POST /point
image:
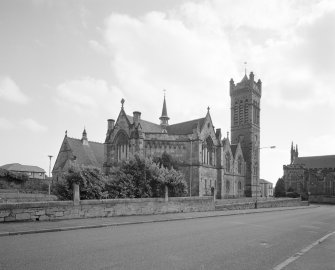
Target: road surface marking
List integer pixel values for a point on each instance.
(301, 252)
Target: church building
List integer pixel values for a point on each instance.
(210, 162)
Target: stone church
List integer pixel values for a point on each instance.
(313, 175)
(227, 166)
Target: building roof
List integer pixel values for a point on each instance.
(316, 161)
(185, 128)
(263, 181)
(88, 155)
(22, 168)
(147, 126)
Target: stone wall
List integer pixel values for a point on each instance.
(322, 199)
(57, 210)
(262, 204)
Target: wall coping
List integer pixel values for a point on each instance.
(19, 205)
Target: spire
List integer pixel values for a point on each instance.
(164, 110)
(164, 117)
(84, 137)
(296, 150)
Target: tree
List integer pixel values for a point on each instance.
(133, 178)
(174, 180)
(90, 179)
(280, 188)
(166, 161)
(143, 178)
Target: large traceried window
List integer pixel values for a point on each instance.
(122, 146)
(208, 152)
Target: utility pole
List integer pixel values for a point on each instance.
(50, 157)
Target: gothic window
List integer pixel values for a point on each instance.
(241, 112)
(208, 152)
(228, 162)
(227, 186)
(239, 165)
(246, 111)
(122, 146)
(239, 185)
(236, 113)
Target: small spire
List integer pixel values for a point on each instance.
(65, 133)
(245, 68)
(164, 117)
(228, 135)
(84, 137)
(208, 108)
(122, 102)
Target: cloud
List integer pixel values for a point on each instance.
(197, 47)
(33, 125)
(86, 95)
(6, 124)
(9, 91)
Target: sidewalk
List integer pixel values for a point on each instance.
(16, 228)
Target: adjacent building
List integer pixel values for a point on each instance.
(77, 151)
(33, 172)
(313, 175)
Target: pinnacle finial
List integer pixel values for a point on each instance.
(208, 108)
(245, 68)
(65, 133)
(122, 102)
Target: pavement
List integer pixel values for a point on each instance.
(30, 227)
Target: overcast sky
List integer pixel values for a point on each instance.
(65, 65)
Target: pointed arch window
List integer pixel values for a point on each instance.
(239, 164)
(236, 113)
(208, 152)
(241, 116)
(122, 146)
(246, 111)
(228, 161)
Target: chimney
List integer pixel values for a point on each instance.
(110, 125)
(137, 118)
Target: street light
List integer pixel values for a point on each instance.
(49, 173)
(256, 202)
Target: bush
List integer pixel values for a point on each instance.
(90, 180)
(143, 178)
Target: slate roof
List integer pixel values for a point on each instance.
(316, 161)
(185, 128)
(264, 181)
(147, 126)
(88, 155)
(22, 168)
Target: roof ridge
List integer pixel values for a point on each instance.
(80, 140)
(197, 119)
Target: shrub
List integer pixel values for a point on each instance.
(90, 180)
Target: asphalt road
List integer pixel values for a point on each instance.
(255, 241)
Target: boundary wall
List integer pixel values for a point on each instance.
(58, 210)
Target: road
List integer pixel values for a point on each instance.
(255, 241)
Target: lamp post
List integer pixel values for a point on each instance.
(50, 157)
(256, 202)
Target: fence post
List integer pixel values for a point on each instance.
(76, 194)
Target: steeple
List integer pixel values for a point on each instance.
(84, 138)
(164, 117)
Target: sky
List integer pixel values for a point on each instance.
(65, 65)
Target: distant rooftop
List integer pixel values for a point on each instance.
(17, 167)
(316, 161)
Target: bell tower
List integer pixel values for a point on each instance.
(245, 126)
